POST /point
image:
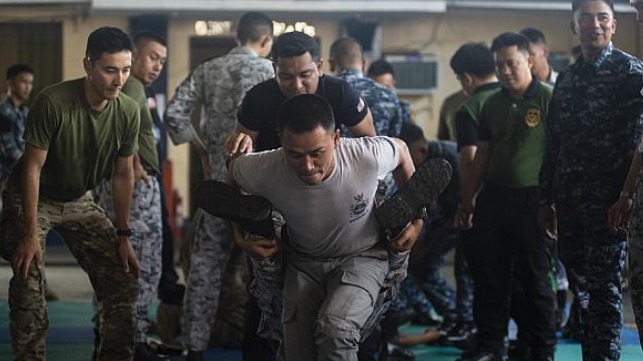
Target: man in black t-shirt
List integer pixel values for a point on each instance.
(298, 70)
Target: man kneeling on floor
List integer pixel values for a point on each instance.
(334, 259)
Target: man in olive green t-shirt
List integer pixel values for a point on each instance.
(505, 236)
(78, 133)
(147, 230)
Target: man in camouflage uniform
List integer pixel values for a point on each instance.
(147, 62)
(218, 85)
(347, 63)
(439, 238)
(382, 72)
(13, 115)
(596, 120)
(632, 196)
(78, 132)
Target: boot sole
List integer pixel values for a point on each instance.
(427, 183)
(252, 213)
(221, 200)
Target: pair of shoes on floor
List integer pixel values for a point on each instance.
(254, 213)
(142, 352)
(462, 336)
(480, 356)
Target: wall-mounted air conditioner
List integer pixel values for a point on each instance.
(415, 74)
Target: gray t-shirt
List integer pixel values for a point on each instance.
(335, 217)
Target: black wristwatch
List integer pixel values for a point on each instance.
(124, 232)
(422, 214)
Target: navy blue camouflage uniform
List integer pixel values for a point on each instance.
(12, 126)
(596, 119)
(386, 111)
(440, 237)
(383, 103)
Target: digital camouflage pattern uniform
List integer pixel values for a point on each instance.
(12, 126)
(596, 119)
(61, 123)
(385, 109)
(438, 239)
(635, 256)
(218, 85)
(407, 112)
(383, 103)
(145, 211)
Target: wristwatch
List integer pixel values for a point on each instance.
(124, 232)
(627, 194)
(422, 214)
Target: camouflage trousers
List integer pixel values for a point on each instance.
(635, 258)
(146, 239)
(594, 259)
(440, 238)
(267, 286)
(89, 234)
(210, 253)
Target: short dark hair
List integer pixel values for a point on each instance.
(510, 39)
(534, 35)
(253, 26)
(411, 133)
(380, 67)
(109, 40)
(473, 58)
(16, 69)
(305, 112)
(143, 37)
(577, 3)
(346, 51)
(295, 43)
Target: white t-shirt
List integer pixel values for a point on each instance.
(335, 217)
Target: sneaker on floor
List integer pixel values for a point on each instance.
(462, 336)
(462, 331)
(252, 213)
(427, 183)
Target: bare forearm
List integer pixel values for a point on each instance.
(472, 177)
(30, 193)
(631, 180)
(405, 167)
(122, 188)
